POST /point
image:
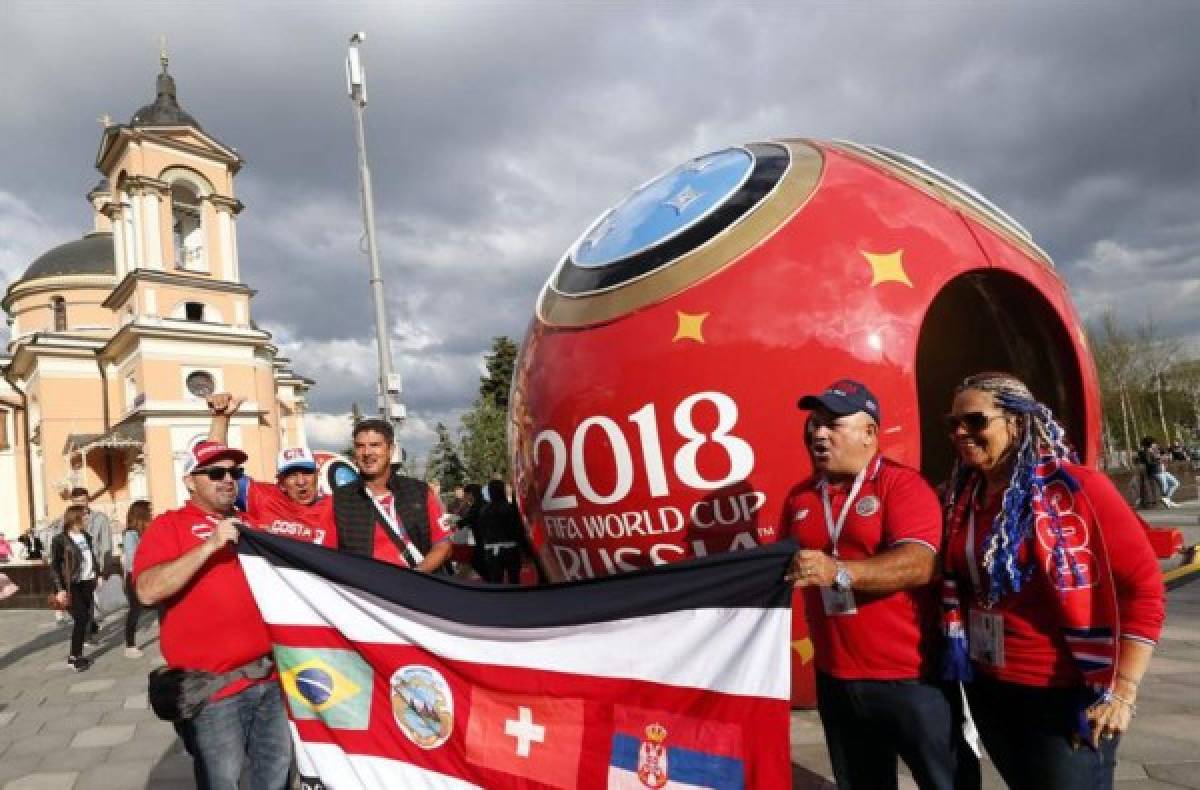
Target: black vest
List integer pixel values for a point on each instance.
(355, 514)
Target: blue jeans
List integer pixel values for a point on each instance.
(1167, 483)
(1028, 734)
(250, 726)
(869, 723)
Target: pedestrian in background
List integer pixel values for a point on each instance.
(136, 520)
(75, 567)
(502, 535)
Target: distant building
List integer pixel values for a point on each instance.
(117, 337)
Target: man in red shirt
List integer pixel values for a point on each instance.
(186, 565)
(292, 506)
(386, 515)
(869, 531)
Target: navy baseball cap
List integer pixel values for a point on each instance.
(843, 397)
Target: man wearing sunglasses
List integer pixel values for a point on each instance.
(291, 506)
(186, 565)
(869, 530)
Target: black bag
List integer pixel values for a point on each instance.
(177, 695)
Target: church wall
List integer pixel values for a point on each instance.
(12, 493)
(171, 299)
(68, 403)
(32, 312)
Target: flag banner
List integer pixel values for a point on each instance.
(676, 676)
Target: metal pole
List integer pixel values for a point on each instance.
(389, 383)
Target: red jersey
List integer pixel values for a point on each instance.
(385, 549)
(890, 637)
(275, 512)
(1035, 653)
(212, 624)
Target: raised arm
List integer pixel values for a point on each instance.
(222, 406)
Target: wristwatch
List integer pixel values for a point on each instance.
(842, 580)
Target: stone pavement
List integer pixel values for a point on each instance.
(84, 730)
(62, 729)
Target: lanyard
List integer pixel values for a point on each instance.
(972, 565)
(388, 514)
(835, 529)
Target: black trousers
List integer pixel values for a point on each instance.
(1028, 733)
(869, 723)
(82, 598)
(135, 612)
(502, 566)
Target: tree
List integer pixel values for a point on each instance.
(500, 363)
(444, 464)
(484, 446)
(484, 441)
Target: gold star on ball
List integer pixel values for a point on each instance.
(803, 648)
(887, 267)
(690, 326)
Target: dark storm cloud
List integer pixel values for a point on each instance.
(497, 132)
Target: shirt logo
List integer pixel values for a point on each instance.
(422, 705)
(203, 530)
(800, 515)
(867, 506)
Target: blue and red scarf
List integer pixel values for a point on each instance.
(1064, 544)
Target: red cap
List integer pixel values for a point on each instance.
(205, 453)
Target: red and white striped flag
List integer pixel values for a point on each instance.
(672, 677)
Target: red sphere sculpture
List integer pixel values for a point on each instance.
(654, 409)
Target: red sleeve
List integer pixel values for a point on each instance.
(438, 531)
(254, 497)
(326, 529)
(159, 544)
(911, 513)
(1141, 598)
(788, 514)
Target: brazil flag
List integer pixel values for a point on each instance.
(328, 684)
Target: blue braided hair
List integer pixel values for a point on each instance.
(1037, 458)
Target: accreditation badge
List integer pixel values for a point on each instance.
(986, 638)
(838, 603)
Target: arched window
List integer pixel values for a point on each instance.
(58, 306)
(187, 232)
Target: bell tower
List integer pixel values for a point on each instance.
(171, 203)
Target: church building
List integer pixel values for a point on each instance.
(116, 338)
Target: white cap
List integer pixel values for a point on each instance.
(295, 458)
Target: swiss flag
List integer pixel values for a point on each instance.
(525, 735)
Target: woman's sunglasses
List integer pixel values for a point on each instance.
(973, 421)
(219, 473)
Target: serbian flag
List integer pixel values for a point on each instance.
(671, 677)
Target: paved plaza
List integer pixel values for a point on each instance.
(93, 730)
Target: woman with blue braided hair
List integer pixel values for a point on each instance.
(1053, 599)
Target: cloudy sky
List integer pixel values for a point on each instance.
(499, 130)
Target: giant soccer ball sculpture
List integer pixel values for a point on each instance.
(654, 406)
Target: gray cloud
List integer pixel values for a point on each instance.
(498, 131)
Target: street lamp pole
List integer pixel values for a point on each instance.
(390, 406)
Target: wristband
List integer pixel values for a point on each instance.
(1126, 702)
